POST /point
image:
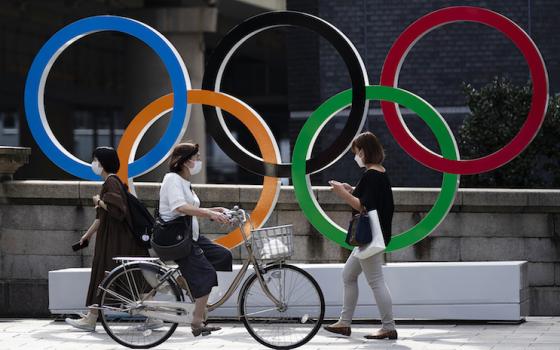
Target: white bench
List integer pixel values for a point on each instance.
(431, 290)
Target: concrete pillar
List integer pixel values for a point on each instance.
(11, 159)
(147, 78)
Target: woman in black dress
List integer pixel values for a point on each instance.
(177, 198)
(373, 192)
(111, 224)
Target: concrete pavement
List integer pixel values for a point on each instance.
(542, 333)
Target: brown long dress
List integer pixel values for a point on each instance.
(114, 237)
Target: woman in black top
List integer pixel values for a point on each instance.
(373, 192)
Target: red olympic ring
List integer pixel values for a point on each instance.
(539, 100)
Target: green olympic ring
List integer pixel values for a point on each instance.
(319, 118)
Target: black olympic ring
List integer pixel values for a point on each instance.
(235, 38)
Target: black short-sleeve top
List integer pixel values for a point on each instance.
(374, 192)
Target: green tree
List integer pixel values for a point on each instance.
(497, 112)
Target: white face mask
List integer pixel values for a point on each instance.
(96, 167)
(359, 160)
(197, 167)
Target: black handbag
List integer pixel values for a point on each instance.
(172, 240)
(359, 230)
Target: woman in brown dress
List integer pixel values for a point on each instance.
(114, 237)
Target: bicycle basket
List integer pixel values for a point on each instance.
(272, 243)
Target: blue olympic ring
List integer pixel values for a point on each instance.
(37, 76)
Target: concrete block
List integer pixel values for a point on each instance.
(4, 303)
(87, 261)
(34, 266)
(25, 298)
(466, 224)
(288, 196)
(296, 218)
(541, 274)
(525, 307)
(403, 221)
(47, 217)
(42, 189)
(341, 218)
(401, 255)
(542, 250)
(556, 220)
(287, 199)
(421, 198)
(249, 194)
(217, 193)
(544, 198)
(316, 248)
(326, 196)
(492, 249)
(557, 270)
(44, 242)
(524, 270)
(272, 220)
(493, 197)
(429, 249)
(544, 301)
(88, 189)
(147, 192)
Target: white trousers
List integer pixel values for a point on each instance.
(372, 269)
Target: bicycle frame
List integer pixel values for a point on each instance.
(187, 309)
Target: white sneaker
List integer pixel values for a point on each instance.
(85, 323)
(154, 324)
(150, 324)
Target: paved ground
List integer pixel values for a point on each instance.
(536, 333)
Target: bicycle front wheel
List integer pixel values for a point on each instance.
(296, 320)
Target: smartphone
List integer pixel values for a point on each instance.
(77, 246)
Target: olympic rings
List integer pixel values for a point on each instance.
(234, 39)
(304, 146)
(270, 164)
(258, 128)
(539, 99)
(37, 76)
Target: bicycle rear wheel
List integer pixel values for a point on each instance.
(296, 321)
(119, 312)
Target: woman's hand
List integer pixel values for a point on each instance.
(218, 217)
(90, 232)
(84, 238)
(337, 187)
(347, 187)
(96, 199)
(219, 209)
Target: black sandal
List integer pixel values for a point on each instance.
(203, 330)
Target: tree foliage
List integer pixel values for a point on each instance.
(498, 110)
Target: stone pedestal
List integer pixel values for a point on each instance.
(11, 159)
(147, 78)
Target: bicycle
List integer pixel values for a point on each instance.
(281, 305)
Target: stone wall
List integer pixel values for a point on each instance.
(39, 220)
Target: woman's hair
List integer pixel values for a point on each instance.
(181, 153)
(108, 158)
(369, 143)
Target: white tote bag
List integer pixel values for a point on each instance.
(377, 244)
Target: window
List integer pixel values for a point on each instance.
(94, 128)
(9, 128)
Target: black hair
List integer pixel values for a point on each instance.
(369, 143)
(108, 158)
(182, 152)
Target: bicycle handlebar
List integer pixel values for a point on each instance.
(236, 214)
